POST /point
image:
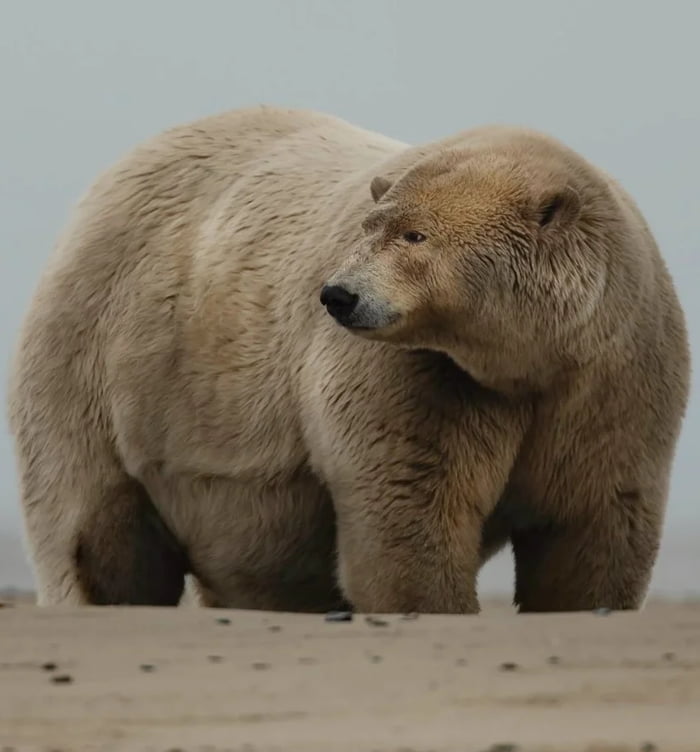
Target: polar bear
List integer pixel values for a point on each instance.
(314, 367)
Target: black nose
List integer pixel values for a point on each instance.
(338, 301)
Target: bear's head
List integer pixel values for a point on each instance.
(500, 254)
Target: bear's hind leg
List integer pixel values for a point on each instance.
(106, 547)
(129, 556)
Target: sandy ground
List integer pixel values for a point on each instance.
(196, 679)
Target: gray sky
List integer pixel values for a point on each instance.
(83, 81)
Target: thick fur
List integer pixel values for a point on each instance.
(518, 371)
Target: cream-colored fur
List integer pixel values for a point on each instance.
(181, 401)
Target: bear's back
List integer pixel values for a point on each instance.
(185, 281)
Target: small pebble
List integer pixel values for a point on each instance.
(147, 668)
(553, 660)
(375, 621)
(261, 666)
(223, 620)
(509, 666)
(375, 659)
(274, 628)
(503, 748)
(49, 666)
(461, 662)
(648, 747)
(669, 656)
(333, 616)
(214, 658)
(62, 679)
(604, 611)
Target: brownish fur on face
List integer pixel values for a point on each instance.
(505, 273)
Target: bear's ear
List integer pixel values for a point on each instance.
(378, 187)
(558, 208)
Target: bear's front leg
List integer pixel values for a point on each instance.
(601, 560)
(410, 526)
(597, 478)
(413, 476)
(597, 549)
(401, 551)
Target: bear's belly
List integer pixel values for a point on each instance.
(253, 544)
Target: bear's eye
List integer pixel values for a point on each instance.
(413, 237)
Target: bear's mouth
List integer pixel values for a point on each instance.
(357, 322)
(376, 331)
